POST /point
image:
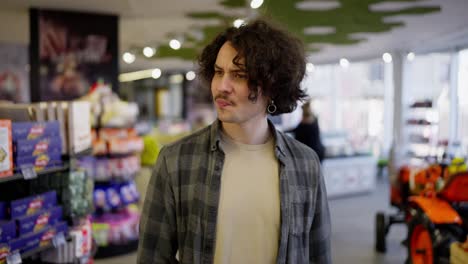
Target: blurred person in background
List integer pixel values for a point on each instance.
(308, 131)
(240, 191)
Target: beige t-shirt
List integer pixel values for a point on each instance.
(248, 224)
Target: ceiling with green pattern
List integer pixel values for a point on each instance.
(331, 22)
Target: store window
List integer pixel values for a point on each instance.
(350, 101)
(426, 105)
(463, 99)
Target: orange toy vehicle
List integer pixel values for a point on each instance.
(434, 206)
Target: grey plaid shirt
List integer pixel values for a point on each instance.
(181, 205)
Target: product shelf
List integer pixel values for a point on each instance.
(19, 175)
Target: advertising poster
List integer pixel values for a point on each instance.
(70, 52)
(14, 82)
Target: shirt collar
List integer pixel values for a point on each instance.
(215, 137)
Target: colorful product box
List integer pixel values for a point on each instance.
(41, 162)
(6, 153)
(39, 221)
(36, 147)
(43, 238)
(32, 205)
(33, 130)
(7, 231)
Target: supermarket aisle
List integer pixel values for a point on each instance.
(353, 231)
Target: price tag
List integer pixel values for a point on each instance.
(28, 172)
(58, 240)
(14, 258)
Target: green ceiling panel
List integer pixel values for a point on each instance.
(182, 53)
(234, 3)
(352, 16)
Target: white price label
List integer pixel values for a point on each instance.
(58, 240)
(28, 172)
(14, 258)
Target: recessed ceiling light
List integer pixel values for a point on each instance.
(156, 73)
(387, 57)
(256, 4)
(310, 67)
(190, 75)
(148, 52)
(238, 22)
(344, 63)
(174, 44)
(411, 56)
(128, 57)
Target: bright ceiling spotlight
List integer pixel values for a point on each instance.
(156, 73)
(149, 52)
(190, 76)
(387, 57)
(174, 44)
(344, 63)
(254, 4)
(128, 57)
(238, 23)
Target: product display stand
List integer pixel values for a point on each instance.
(26, 180)
(114, 165)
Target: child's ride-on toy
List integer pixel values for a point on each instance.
(434, 205)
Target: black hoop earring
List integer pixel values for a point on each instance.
(271, 107)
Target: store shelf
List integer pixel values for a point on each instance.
(31, 253)
(19, 175)
(116, 250)
(84, 153)
(116, 180)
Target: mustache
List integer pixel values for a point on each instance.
(224, 97)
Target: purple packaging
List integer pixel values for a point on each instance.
(33, 204)
(41, 161)
(39, 221)
(3, 210)
(113, 197)
(31, 241)
(7, 231)
(127, 194)
(44, 237)
(88, 164)
(35, 147)
(33, 130)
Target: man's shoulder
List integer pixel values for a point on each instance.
(297, 149)
(194, 141)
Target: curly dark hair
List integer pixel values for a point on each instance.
(274, 60)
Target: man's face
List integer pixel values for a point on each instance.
(230, 90)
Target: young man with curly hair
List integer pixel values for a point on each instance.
(239, 191)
